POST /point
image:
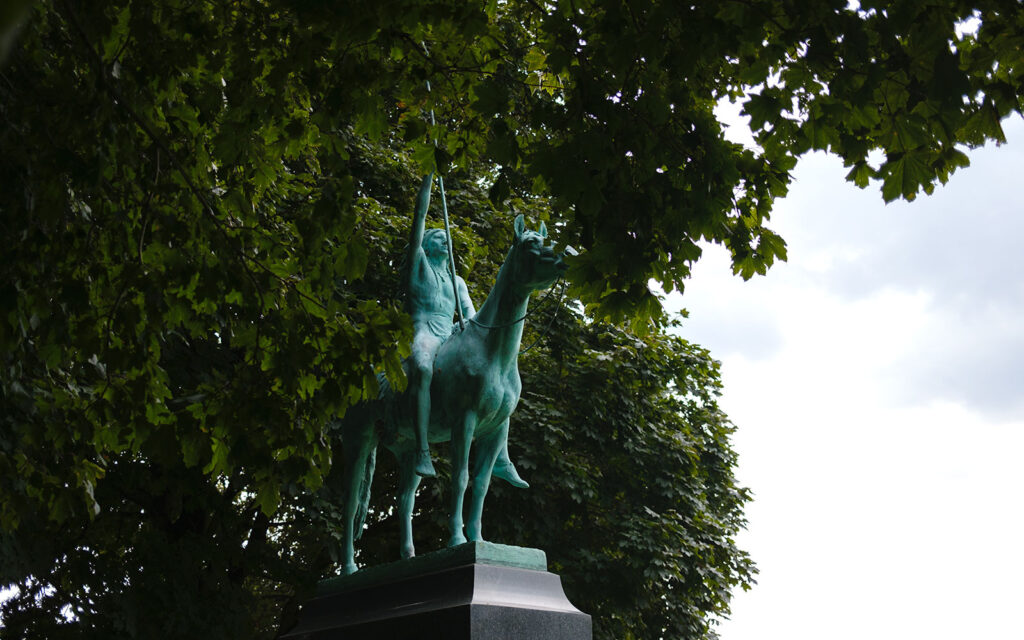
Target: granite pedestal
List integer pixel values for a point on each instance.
(476, 591)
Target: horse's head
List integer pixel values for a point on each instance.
(534, 261)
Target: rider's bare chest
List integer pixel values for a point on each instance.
(430, 289)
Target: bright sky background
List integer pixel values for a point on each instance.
(876, 382)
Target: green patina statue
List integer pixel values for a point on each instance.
(462, 388)
(431, 301)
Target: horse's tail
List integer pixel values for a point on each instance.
(363, 505)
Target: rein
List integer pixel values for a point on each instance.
(525, 315)
(530, 312)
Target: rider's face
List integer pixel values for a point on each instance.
(435, 245)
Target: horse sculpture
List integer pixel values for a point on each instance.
(474, 389)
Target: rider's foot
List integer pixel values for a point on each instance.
(507, 472)
(424, 467)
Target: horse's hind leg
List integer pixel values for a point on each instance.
(487, 450)
(408, 482)
(358, 447)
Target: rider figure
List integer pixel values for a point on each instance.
(430, 300)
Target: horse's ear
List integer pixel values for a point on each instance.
(520, 227)
(543, 230)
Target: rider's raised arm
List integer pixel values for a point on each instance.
(468, 310)
(419, 221)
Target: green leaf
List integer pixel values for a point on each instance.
(442, 160)
(535, 59)
(499, 191)
(905, 176)
(860, 175)
(490, 98)
(763, 109)
(414, 129)
(268, 498)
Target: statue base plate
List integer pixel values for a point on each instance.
(476, 591)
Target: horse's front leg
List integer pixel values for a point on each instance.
(408, 481)
(462, 439)
(487, 450)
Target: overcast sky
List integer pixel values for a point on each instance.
(876, 382)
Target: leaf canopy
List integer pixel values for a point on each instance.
(204, 205)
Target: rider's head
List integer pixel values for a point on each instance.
(435, 243)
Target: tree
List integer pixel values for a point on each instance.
(200, 202)
(173, 551)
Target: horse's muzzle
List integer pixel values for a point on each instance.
(560, 263)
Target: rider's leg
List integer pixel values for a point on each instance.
(504, 469)
(421, 371)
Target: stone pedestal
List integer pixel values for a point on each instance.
(476, 591)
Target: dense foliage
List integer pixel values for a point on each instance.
(202, 205)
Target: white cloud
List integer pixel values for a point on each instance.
(876, 384)
(957, 252)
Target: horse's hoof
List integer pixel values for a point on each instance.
(408, 552)
(424, 466)
(455, 541)
(508, 473)
(350, 568)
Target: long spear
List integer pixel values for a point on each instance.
(447, 226)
